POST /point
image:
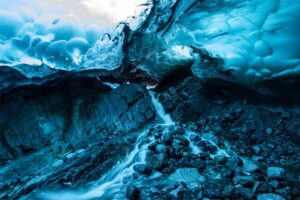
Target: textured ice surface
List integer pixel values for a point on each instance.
(253, 40)
(31, 40)
(256, 39)
(56, 34)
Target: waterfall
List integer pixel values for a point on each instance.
(111, 183)
(160, 110)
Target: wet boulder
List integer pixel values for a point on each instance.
(276, 172)
(156, 161)
(132, 193)
(186, 175)
(142, 169)
(249, 167)
(269, 196)
(246, 181)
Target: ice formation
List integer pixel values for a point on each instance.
(252, 37)
(56, 42)
(253, 40)
(256, 39)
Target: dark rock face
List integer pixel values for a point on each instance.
(132, 193)
(61, 130)
(252, 122)
(70, 112)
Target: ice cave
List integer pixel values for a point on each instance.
(149, 99)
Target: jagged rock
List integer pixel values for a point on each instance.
(211, 148)
(213, 193)
(269, 196)
(194, 137)
(227, 173)
(47, 122)
(275, 184)
(239, 192)
(161, 148)
(187, 175)
(276, 172)
(142, 169)
(152, 193)
(203, 155)
(265, 188)
(246, 181)
(132, 193)
(234, 161)
(284, 192)
(221, 158)
(197, 163)
(156, 161)
(152, 146)
(178, 144)
(256, 149)
(185, 142)
(249, 167)
(74, 111)
(178, 131)
(177, 193)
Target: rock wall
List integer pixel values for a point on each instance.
(256, 124)
(71, 112)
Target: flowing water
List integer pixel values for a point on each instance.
(112, 183)
(160, 110)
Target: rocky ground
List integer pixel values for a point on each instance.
(227, 141)
(195, 163)
(226, 145)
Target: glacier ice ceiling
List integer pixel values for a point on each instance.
(149, 99)
(246, 37)
(55, 33)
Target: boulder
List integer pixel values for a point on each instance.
(249, 167)
(276, 172)
(269, 196)
(220, 158)
(132, 193)
(186, 175)
(177, 193)
(142, 169)
(160, 148)
(246, 181)
(156, 161)
(234, 161)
